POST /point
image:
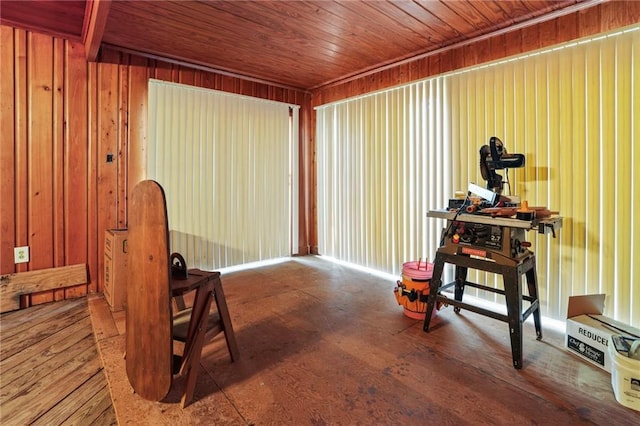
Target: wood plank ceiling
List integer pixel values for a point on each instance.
(297, 44)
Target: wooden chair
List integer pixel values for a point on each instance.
(149, 316)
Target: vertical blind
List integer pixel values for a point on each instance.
(228, 165)
(381, 166)
(573, 111)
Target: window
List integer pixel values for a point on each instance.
(228, 165)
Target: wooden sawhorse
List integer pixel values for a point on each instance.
(511, 269)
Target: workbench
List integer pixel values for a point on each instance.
(491, 244)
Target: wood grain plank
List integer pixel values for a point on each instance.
(62, 18)
(97, 410)
(614, 14)
(107, 418)
(14, 285)
(18, 322)
(40, 156)
(93, 144)
(83, 406)
(253, 23)
(138, 92)
(40, 149)
(162, 71)
(24, 374)
(590, 21)
(51, 379)
(76, 161)
(440, 24)
(21, 143)
(57, 160)
(46, 391)
(378, 24)
(632, 11)
(38, 331)
(122, 147)
(567, 28)
(101, 317)
(513, 43)
(94, 29)
(107, 144)
(467, 11)
(548, 32)
(187, 76)
(498, 46)
(531, 38)
(7, 154)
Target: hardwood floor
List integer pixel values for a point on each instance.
(324, 344)
(50, 369)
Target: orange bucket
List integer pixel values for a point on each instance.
(412, 292)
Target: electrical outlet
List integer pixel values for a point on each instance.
(21, 254)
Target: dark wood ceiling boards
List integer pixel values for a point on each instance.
(62, 18)
(297, 44)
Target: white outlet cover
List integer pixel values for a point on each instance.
(21, 254)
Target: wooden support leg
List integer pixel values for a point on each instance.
(191, 365)
(225, 318)
(193, 346)
(199, 313)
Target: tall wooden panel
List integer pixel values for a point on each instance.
(7, 150)
(39, 141)
(139, 74)
(76, 155)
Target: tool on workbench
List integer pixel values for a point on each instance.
(495, 157)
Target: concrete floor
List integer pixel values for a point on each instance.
(322, 344)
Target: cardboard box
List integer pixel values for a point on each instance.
(115, 268)
(589, 332)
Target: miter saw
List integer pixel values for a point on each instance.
(495, 157)
(491, 223)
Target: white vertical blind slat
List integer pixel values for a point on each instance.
(378, 177)
(225, 163)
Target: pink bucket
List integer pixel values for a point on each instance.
(418, 271)
(413, 290)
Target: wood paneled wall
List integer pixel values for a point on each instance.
(62, 117)
(73, 146)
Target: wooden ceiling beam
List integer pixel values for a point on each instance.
(95, 21)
